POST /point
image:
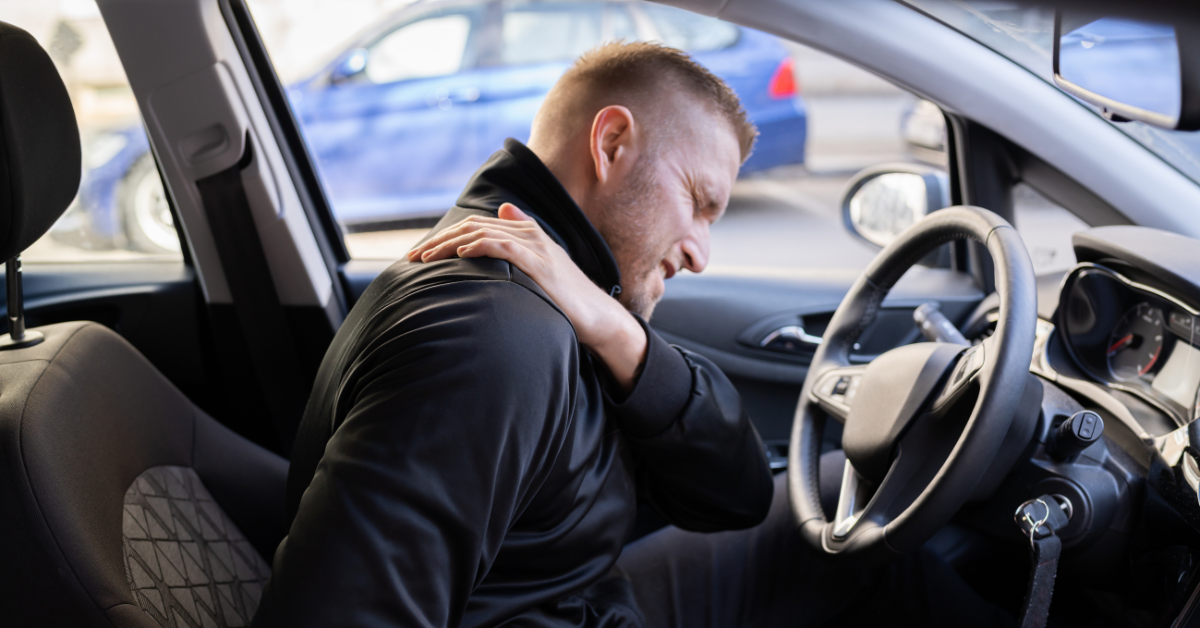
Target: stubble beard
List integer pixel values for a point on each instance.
(628, 226)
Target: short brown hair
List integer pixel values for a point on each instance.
(627, 73)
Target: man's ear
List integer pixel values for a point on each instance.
(614, 142)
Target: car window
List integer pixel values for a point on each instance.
(549, 32)
(621, 26)
(691, 32)
(1046, 228)
(394, 160)
(121, 211)
(429, 47)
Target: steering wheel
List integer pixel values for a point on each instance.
(922, 422)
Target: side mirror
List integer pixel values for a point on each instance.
(1131, 69)
(350, 67)
(882, 201)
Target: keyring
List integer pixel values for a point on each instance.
(1020, 516)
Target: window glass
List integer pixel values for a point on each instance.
(430, 47)
(621, 26)
(394, 157)
(121, 211)
(691, 32)
(1046, 229)
(547, 33)
(1045, 226)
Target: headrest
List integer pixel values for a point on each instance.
(39, 142)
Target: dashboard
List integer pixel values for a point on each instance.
(1133, 337)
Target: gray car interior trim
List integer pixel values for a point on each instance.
(200, 108)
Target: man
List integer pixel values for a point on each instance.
(488, 417)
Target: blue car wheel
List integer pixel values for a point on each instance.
(145, 210)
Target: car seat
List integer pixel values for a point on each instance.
(121, 502)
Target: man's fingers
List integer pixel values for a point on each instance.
(511, 222)
(508, 211)
(448, 248)
(501, 240)
(523, 230)
(499, 248)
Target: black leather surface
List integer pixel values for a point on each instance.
(81, 415)
(39, 142)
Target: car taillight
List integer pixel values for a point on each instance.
(783, 81)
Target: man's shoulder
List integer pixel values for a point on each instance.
(478, 297)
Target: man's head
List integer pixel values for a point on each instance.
(648, 143)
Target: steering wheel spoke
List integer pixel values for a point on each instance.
(835, 389)
(851, 502)
(967, 371)
(920, 455)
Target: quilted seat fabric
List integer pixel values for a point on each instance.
(186, 562)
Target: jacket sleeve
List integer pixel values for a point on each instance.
(700, 462)
(452, 413)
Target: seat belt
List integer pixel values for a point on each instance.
(1038, 519)
(255, 299)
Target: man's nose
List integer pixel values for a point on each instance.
(695, 248)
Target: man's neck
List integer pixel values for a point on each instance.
(572, 172)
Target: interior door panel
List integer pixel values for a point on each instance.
(725, 318)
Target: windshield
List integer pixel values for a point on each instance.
(1025, 35)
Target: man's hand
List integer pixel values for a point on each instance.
(601, 323)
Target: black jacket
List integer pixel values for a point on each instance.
(462, 462)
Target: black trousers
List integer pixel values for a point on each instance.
(767, 576)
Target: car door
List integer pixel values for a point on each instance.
(395, 129)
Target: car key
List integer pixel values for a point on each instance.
(1039, 519)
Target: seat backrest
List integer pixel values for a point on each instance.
(121, 503)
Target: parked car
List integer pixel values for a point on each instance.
(400, 118)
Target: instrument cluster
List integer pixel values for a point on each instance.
(1133, 337)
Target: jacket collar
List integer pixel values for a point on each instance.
(516, 175)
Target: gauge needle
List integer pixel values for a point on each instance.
(1153, 359)
(1120, 344)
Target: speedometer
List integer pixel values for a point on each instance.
(1136, 342)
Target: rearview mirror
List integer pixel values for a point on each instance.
(881, 202)
(1131, 69)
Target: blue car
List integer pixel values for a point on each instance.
(401, 118)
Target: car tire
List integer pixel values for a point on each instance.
(145, 212)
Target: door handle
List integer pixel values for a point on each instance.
(782, 337)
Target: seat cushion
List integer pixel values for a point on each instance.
(185, 560)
